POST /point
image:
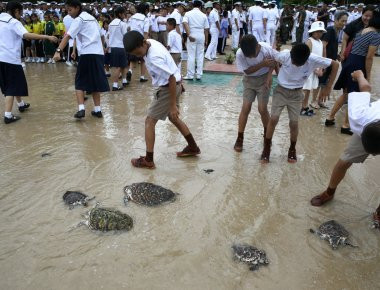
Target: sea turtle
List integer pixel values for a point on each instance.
(208, 171)
(149, 194)
(107, 219)
(73, 198)
(250, 255)
(334, 233)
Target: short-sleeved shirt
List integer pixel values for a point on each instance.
(196, 20)
(160, 64)
(213, 18)
(292, 76)
(11, 34)
(257, 14)
(177, 16)
(361, 111)
(162, 27)
(174, 42)
(353, 28)
(86, 29)
(332, 43)
(153, 23)
(243, 62)
(364, 41)
(139, 22)
(116, 30)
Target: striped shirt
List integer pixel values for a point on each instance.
(363, 41)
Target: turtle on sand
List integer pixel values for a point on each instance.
(250, 255)
(107, 219)
(148, 194)
(334, 233)
(73, 198)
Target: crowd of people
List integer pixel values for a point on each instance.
(97, 37)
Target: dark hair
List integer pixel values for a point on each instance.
(171, 22)
(197, 4)
(299, 54)
(12, 7)
(225, 13)
(368, 8)
(375, 20)
(74, 4)
(338, 15)
(371, 138)
(248, 45)
(142, 8)
(119, 10)
(132, 40)
(106, 21)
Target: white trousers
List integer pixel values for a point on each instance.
(235, 37)
(258, 32)
(271, 34)
(211, 50)
(195, 53)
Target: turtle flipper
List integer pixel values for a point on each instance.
(71, 206)
(82, 223)
(351, 245)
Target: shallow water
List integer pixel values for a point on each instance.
(186, 244)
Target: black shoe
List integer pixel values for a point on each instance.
(125, 84)
(129, 76)
(80, 114)
(346, 131)
(116, 89)
(24, 107)
(97, 114)
(85, 98)
(11, 119)
(329, 122)
(143, 80)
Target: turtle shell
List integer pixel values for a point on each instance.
(148, 194)
(250, 255)
(75, 197)
(107, 219)
(333, 229)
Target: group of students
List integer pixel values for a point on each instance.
(257, 61)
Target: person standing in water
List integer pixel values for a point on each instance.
(90, 76)
(12, 78)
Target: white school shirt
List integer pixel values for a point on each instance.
(272, 17)
(174, 42)
(213, 18)
(177, 16)
(235, 15)
(293, 77)
(243, 62)
(361, 111)
(139, 22)
(257, 14)
(87, 30)
(116, 30)
(153, 23)
(196, 20)
(11, 34)
(160, 64)
(106, 35)
(162, 27)
(67, 20)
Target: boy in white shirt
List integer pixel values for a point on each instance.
(174, 42)
(365, 123)
(167, 77)
(256, 61)
(297, 65)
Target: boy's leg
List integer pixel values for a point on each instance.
(192, 148)
(147, 160)
(338, 104)
(292, 155)
(294, 106)
(273, 121)
(243, 118)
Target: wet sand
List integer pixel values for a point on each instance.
(186, 244)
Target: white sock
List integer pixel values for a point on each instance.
(8, 114)
(125, 81)
(81, 107)
(130, 70)
(142, 77)
(115, 84)
(97, 109)
(21, 104)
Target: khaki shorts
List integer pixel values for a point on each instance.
(176, 57)
(255, 87)
(354, 152)
(289, 98)
(160, 106)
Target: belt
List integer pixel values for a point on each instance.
(167, 85)
(290, 89)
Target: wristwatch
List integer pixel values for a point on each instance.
(58, 50)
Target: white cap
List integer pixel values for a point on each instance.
(208, 4)
(317, 26)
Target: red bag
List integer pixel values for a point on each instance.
(348, 49)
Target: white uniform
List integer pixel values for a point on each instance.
(178, 18)
(175, 43)
(139, 22)
(257, 15)
(271, 26)
(353, 16)
(214, 31)
(116, 30)
(307, 23)
(197, 22)
(235, 17)
(67, 20)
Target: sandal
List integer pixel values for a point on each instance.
(329, 123)
(376, 220)
(315, 106)
(321, 199)
(238, 145)
(187, 151)
(322, 106)
(292, 156)
(142, 163)
(266, 151)
(306, 112)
